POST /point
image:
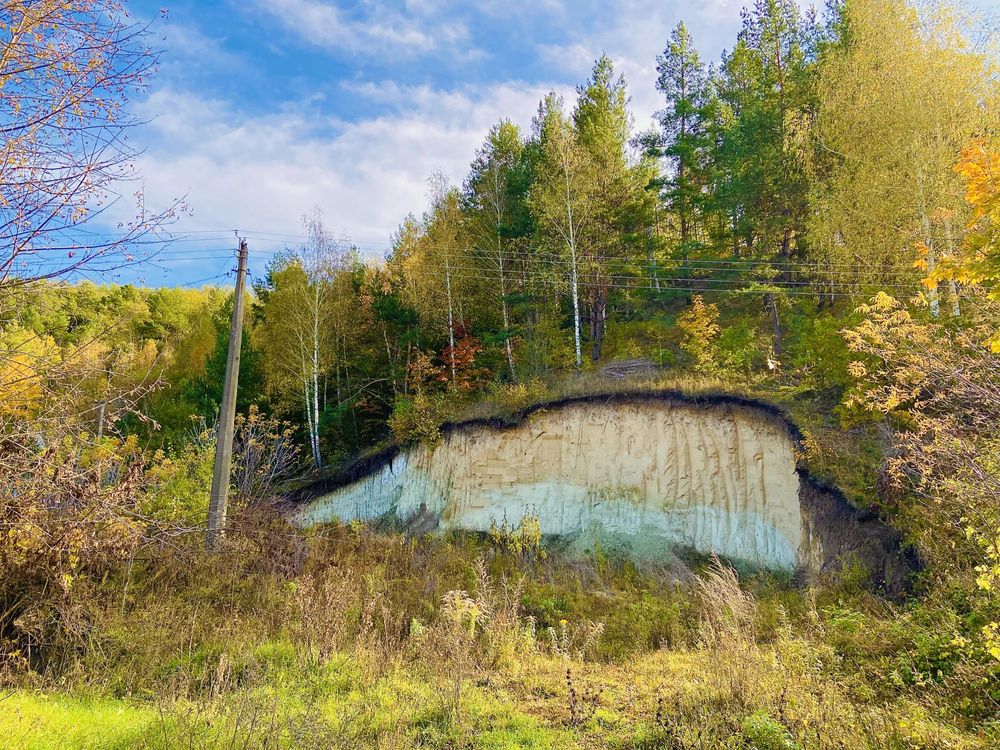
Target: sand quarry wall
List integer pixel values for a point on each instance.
(649, 473)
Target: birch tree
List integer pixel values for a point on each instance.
(434, 257)
(298, 335)
(562, 197)
(488, 202)
(899, 97)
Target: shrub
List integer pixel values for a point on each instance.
(418, 418)
(768, 734)
(71, 513)
(818, 353)
(700, 327)
(742, 350)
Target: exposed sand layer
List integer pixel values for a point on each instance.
(650, 473)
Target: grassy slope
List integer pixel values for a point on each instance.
(40, 721)
(360, 651)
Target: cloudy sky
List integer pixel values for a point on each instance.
(264, 109)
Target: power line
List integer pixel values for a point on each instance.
(640, 281)
(478, 272)
(686, 285)
(707, 275)
(664, 264)
(514, 253)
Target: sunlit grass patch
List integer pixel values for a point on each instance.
(39, 721)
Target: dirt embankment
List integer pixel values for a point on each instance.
(644, 472)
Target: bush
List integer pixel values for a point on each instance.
(417, 418)
(768, 734)
(742, 350)
(700, 327)
(817, 352)
(71, 514)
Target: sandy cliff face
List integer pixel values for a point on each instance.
(648, 473)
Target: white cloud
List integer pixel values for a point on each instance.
(638, 33)
(379, 31)
(521, 8)
(263, 173)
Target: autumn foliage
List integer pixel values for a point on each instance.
(979, 262)
(68, 70)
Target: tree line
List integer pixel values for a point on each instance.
(813, 165)
(817, 162)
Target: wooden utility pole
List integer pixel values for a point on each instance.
(227, 412)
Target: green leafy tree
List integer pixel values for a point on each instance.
(766, 90)
(899, 95)
(204, 391)
(613, 241)
(563, 199)
(685, 136)
(490, 206)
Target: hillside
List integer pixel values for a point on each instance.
(680, 436)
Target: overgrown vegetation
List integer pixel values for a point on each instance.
(814, 222)
(344, 638)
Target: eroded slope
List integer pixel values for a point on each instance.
(651, 472)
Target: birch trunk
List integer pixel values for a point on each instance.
(315, 377)
(575, 272)
(956, 308)
(451, 320)
(925, 225)
(576, 308)
(503, 307)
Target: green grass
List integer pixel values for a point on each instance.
(331, 706)
(220, 653)
(42, 721)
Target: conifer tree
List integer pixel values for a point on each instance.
(766, 89)
(622, 205)
(683, 81)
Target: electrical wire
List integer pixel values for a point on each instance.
(703, 275)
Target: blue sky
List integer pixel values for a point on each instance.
(264, 109)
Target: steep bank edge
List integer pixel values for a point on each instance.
(840, 530)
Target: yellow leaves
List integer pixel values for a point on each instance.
(979, 263)
(881, 302)
(25, 358)
(700, 327)
(980, 169)
(890, 371)
(988, 580)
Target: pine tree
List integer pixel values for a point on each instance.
(766, 90)
(612, 246)
(684, 83)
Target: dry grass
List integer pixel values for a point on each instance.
(384, 641)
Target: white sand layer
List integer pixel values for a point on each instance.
(660, 474)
